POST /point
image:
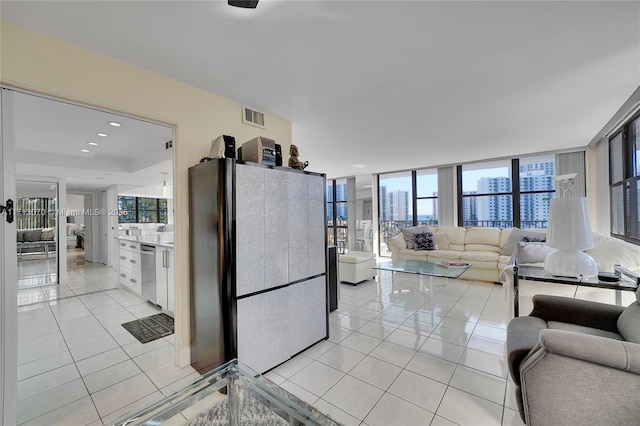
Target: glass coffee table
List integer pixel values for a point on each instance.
(232, 394)
(422, 268)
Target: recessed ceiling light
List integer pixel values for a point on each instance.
(102, 135)
(84, 150)
(358, 166)
(93, 143)
(114, 124)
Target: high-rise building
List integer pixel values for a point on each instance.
(469, 208)
(341, 201)
(384, 214)
(497, 210)
(341, 195)
(534, 208)
(398, 205)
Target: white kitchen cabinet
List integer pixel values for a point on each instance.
(129, 265)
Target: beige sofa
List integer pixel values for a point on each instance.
(482, 247)
(490, 251)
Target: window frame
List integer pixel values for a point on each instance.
(630, 179)
(515, 195)
(334, 227)
(158, 209)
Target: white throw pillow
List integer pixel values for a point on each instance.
(533, 252)
(516, 236)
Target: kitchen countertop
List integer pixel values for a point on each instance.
(163, 239)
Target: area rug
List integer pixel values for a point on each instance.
(150, 328)
(252, 413)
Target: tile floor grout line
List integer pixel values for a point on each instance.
(74, 364)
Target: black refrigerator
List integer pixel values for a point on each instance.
(258, 263)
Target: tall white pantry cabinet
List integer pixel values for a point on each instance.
(258, 263)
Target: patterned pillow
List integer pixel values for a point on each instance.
(48, 234)
(533, 239)
(424, 241)
(410, 234)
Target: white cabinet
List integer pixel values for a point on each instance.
(129, 265)
(165, 292)
(280, 227)
(275, 325)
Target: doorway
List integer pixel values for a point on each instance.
(37, 242)
(75, 322)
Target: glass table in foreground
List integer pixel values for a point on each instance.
(422, 268)
(232, 394)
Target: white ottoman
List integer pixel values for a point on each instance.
(355, 266)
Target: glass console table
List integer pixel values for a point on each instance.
(628, 281)
(232, 394)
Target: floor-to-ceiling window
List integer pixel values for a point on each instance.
(427, 197)
(395, 205)
(624, 181)
(506, 193)
(486, 194)
(502, 194)
(537, 187)
(337, 214)
(36, 215)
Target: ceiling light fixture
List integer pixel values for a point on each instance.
(246, 4)
(93, 143)
(114, 124)
(84, 150)
(358, 166)
(102, 135)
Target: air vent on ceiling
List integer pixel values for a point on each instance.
(252, 117)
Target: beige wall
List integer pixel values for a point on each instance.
(45, 65)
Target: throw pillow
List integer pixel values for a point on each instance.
(410, 233)
(516, 236)
(424, 241)
(533, 252)
(533, 239)
(48, 234)
(442, 241)
(32, 235)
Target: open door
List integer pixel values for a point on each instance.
(8, 262)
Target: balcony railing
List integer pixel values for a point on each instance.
(503, 224)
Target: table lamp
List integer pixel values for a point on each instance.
(569, 231)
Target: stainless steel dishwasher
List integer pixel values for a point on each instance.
(148, 261)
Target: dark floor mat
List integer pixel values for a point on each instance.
(150, 328)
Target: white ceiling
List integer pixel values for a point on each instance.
(50, 134)
(386, 84)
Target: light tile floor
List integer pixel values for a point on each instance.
(398, 353)
(401, 353)
(76, 364)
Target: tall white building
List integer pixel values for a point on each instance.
(398, 205)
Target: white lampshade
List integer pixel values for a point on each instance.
(569, 231)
